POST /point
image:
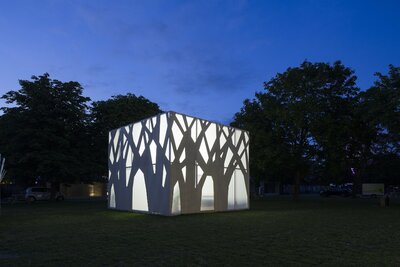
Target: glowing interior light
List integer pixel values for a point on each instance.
(246, 137)
(112, 197)
(172, 154)
(222, 141)
(237, 135)
(241, 148)
(129, 156)
(189, 120)
(136, 130)
(181, 121)
(153, 152)
(228, 158)
(177, 134)
(139, 192)
(91, 191)
(199, 173)
(152, 161)
(207, 195)
(184, 173)
(153, 122)
(163, 128)
(211, 135)
(117, 153)
(231, 193)
(240, 191)
(176, 200)
(116, 137)
(111, 157)
(198, 128)
(124, 140)
(164, 176)
(193, 134)
(203, 150)
(110, 153)
(127, 175)
(244, 161)
(167, 148)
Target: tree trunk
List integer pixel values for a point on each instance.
(296, 186)
(357, 184)
(55, 188)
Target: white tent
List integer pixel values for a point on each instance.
(174, 164)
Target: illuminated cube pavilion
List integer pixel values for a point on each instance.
(173, 164)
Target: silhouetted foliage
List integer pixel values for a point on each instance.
(113, 113)
(380, 108)
(312, 122)
(48, 135)
(44, 133)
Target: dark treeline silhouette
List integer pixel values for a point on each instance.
(311, 123)
(52, 133)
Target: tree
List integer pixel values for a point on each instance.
(44, 134)
(269, 157)
(380, 107)
(293, 122)
(113, 113)
(2, 174)
(2, 170)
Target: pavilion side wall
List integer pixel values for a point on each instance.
(139, 166)
(209, 166)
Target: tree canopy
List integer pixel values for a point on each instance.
(312, 122)
(43, 134)
(52, 133)
(115, 112)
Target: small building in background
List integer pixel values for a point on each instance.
(174, 164)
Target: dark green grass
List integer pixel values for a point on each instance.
(276, 231)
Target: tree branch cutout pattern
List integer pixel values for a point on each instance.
(173, 164)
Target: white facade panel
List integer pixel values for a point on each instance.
(176, 164)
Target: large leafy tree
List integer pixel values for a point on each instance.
(380, 107)
(297, 123)
(115, 112)
(44, 133)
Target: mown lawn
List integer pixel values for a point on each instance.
(276, 231)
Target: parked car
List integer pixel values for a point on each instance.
(41, 193)
(336, 191)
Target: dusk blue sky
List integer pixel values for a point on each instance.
(202, 58)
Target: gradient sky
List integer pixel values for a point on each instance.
(202, 58)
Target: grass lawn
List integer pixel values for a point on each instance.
(276, 231)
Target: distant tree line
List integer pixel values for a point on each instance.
(52, 133)
(310, 124)
(313, 124)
